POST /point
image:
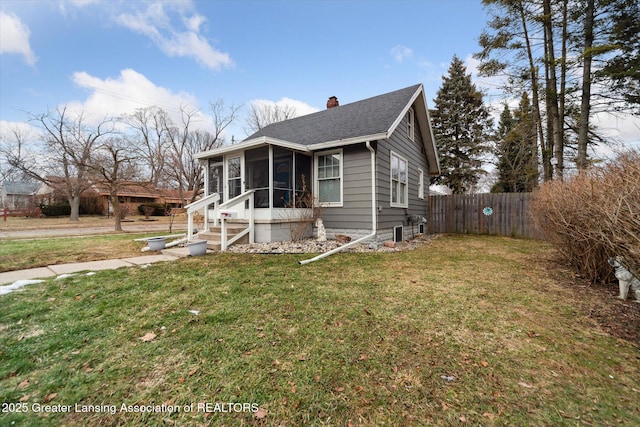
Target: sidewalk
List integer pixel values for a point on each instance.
(76, 267)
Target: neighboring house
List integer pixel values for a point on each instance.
(18, 195)
(96, 199)
(367, 164)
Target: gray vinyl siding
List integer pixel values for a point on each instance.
(413, 152)
(355, 212)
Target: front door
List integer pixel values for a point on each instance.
(216, 181)
(234, 176)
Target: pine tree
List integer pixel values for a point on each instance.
(623, 69)
(505, 127)
(516, 150)
(461, 124)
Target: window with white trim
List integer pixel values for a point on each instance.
(420, 184)
(411, 124)
(399, 181)
(328, 182)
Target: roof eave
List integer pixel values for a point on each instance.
(348, 141)
(263, 140)
(251, 143)
(429, 142)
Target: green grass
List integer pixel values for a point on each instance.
(20, 254)
(361, 339)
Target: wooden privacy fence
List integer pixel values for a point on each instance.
(504, 214)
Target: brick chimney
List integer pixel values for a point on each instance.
(332, 102)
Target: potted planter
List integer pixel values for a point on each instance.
(197, 247)
(156, 243)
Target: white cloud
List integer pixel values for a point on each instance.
(155, 22)
(193, 23)
(400, 53)
(301, 108)
(77, 3)
(14, 37)
(491, 85)
(112, 97)
(7, 129)
(619, 130)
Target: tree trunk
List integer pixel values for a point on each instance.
(116, 212)
(585, 107)
(535, 106)
(554, 119)
(74, 202)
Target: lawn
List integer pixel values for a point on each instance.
(23, 223)
(462, 331)
(19, 254)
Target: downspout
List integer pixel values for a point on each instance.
(374, 219)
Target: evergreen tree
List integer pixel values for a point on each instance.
(623, 69)
(461, 125)
(505, 126)
(574, 58)
(515, 150)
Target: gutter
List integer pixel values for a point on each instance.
(374, 220)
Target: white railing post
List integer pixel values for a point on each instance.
(224, 243)
(216, 206)
(205, 215)
(251, 220)
(194, 207)
(223, 235)
(189, 226)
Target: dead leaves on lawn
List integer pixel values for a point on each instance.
(49, 397)
(149, 336)
(260, 414)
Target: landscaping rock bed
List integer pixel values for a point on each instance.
(311, 246)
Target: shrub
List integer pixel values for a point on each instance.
(302, 218)
(91, 205)
(158, 209)
(58, 209)
(594, 215)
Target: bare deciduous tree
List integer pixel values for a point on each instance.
(67, 145)
(150, 126)
(115, 163)
(15, 144)
(263, 114)
(184, 143)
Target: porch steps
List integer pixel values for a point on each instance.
(213, 238)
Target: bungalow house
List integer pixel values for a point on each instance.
(16, 195)
(95, 200)
(366, 163)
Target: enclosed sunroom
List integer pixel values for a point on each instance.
(267, 184)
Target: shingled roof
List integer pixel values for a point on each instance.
(370, 119)
(21, 188)
(369, 116)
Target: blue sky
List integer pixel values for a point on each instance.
(110, 57)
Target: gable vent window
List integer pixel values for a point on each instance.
(399, 178)
(411, 124)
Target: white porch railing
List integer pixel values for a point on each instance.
(248, 195)
(201, 204)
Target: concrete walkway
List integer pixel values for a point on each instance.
(76, 267)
